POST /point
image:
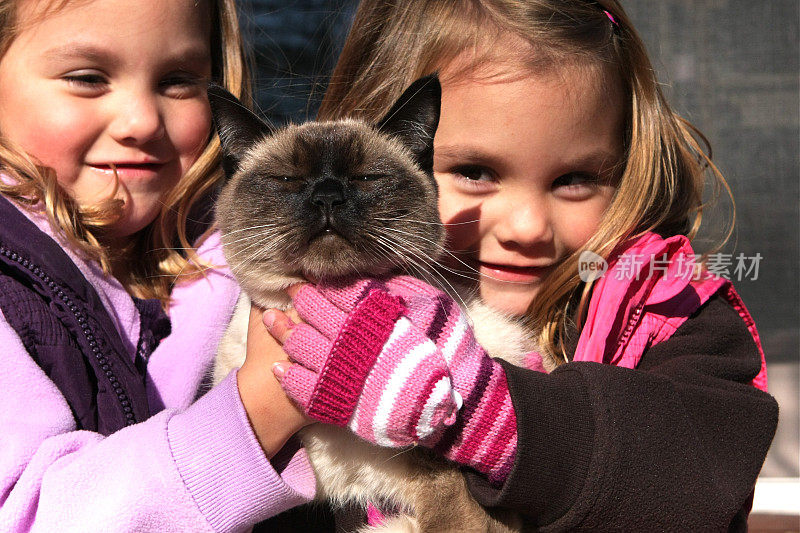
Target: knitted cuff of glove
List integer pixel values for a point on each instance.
(485, 434)
(352, 356)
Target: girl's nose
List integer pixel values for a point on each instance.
(523, 223)
(137, 120)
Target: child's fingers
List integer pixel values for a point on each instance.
(278, 324)
(294, 289)
(299, 383)
(346, 297)
(407, 286)
(314, 308)
(308, 347)
(280, 368)
(293, 315)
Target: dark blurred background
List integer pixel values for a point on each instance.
(294, 46)
(730, 66)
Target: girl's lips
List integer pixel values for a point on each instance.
(513, 273)
(130, 170)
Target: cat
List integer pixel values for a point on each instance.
(325, 200)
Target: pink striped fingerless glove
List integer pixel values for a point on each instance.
(364, 365)
(394, 361)
(485, 434)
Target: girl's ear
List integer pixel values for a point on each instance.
(238, 127)
(414, 117)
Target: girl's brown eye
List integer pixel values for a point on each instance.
(473, 172)
(574, 179)
(86, 79)
(182, 84)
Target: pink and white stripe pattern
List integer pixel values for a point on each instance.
(408, 395)
(485, 436)
(378, 374)
(398, 364)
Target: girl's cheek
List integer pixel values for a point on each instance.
(460, 237)
(461, 218)
(59, 139)
(577, 224)
(192, 129)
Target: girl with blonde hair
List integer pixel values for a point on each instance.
(112, 292)
(570, 192)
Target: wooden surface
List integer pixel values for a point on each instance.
(773, 523)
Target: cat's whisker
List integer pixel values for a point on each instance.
(426, 268)
(257, 234)
(454, 256)
(226, 241)
(241, 240)
(264, 238)
(388, 253)
(171, 248)
(444, 224)
(398, 247)
(268, 225)
(380, 256)
(432, 272)
(181, 274)
(263, 245)
(262, 250)
(415, 260)
(400, 452)
(437, 263)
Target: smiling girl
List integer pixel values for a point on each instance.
(554, 140)
(107, 329)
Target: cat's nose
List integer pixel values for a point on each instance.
(327, 193)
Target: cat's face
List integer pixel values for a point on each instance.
(329, 199)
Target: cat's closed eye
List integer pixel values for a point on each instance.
(368, 177)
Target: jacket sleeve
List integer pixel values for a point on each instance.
(200, 469)
(674, 445)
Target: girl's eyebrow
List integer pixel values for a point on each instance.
(80, 51)
(595, 159)
(464, 153)
(192, 55)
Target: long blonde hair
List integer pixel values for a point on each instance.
(662, 180)
(162, 251)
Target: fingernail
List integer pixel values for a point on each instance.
(294, 289)
(279, 369)
(269, 318)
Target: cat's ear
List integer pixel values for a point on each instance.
(414, 117)
(238, 127)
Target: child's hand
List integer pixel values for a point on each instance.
(273, 416)
(392, 360)
(362, 355)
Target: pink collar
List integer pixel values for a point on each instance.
(645, 274)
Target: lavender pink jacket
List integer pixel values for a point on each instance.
(194, 466)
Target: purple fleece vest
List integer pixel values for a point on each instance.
(66, 329)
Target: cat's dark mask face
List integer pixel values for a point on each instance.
(329, 199)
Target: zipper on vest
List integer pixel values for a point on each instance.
(83, 323)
